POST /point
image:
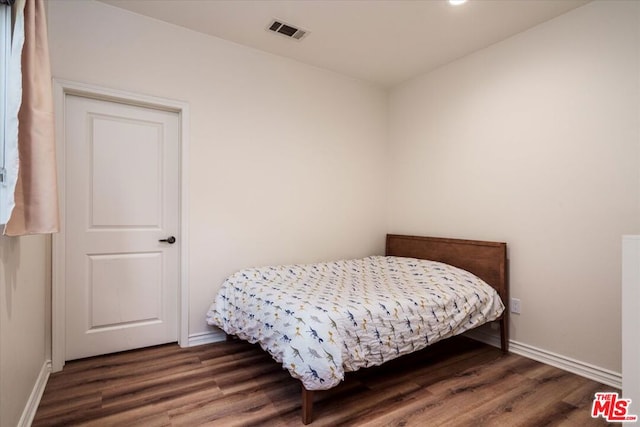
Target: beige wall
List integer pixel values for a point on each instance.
(286, 160)
(534, 141)
(24, 287)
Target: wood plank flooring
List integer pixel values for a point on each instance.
(458, 382)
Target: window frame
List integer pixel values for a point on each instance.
(7, 123)
(5, 51)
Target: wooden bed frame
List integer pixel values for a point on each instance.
(487, 260)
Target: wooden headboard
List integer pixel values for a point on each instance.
(487, 260)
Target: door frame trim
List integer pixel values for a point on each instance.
(61, 89)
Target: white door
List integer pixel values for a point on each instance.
(122, 199)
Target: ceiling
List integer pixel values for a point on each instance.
(383, 42)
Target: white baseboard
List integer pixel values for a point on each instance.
(592, 372)
(206, 338)
(29, 412)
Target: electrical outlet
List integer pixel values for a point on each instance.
(515, 305)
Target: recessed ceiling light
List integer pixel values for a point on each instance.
(457, 2)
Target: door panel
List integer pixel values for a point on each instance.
(126, 159)
(138, 276)
(122, 197)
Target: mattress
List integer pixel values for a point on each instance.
(322, 320)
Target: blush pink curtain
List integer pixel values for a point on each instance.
(36, 193)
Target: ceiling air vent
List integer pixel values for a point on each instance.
(287, 30)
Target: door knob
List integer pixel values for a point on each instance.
(170, 240)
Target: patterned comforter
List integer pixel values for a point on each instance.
(322, 320)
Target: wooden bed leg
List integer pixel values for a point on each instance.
(504, 334)
(307, 406)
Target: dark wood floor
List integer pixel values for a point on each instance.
(455, 383)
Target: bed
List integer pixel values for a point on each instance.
(323, 320)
